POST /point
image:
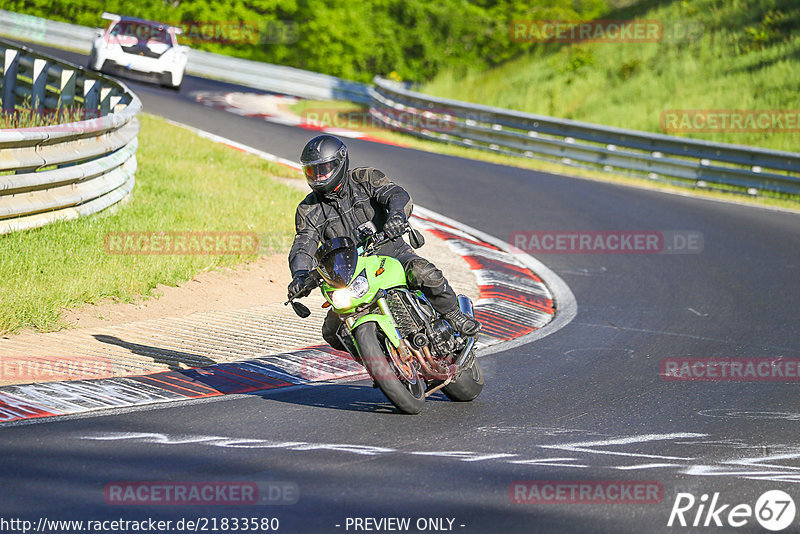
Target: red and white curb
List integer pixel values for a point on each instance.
(271, 108)
(517, 304)
(513, 300)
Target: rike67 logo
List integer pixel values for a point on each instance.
(774, 510)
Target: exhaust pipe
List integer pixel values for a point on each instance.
(465, 304)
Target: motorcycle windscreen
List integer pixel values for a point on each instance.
(337, 260)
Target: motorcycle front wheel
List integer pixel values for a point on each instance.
(402, 387)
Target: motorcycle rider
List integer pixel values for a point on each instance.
(343, 199)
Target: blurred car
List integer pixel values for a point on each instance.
(139, 48)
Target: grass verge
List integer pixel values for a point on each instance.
(183, 183)
(714, 55)
(355, 117)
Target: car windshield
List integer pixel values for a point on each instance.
(141, 31)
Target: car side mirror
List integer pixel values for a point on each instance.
(415, 238)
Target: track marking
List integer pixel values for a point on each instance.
(747, 468)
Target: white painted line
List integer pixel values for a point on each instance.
(588, 446)
(225, 141)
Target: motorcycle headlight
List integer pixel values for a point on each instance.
(342, 298)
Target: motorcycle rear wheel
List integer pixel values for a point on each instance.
(408, 396)
(468, 385)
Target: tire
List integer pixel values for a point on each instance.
(165, 81)
(468, 385)
(407, 397)
(91, 63)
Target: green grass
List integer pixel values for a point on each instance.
(27, 118)
(183, 183)
(748, 57)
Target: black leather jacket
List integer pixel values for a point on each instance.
(366, 194)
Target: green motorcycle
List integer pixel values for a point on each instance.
(408, 349)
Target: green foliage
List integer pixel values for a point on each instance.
(408, 39)
(774, 27)
(715, 54)
(629, 67)
(573, 59)
(25, 117)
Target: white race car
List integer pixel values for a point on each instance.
(139, 48)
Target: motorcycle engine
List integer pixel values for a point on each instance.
(443, 340)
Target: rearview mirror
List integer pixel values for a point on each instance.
(301, 310)
(415, 238)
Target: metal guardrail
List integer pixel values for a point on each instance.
(275, 78)
(255, 74)
(70, 170)
(656, 156)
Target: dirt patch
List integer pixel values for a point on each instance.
(244, 286)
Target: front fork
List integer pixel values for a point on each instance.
(384, 320)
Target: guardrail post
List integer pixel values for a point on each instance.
(67, 88)
(10, 68)
(39, 88)
(105, 100)
(91, 96)
(115, 99)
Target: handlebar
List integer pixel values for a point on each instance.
(311, 282)
(375, 241)
(371, 243)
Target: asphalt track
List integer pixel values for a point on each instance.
(585, 403)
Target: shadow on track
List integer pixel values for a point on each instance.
(170, 358)
(346, 397)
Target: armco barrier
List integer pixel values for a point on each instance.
(659, 157)
(68, 170)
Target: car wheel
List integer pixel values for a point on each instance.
(166, 82)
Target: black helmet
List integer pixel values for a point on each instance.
(325, 162)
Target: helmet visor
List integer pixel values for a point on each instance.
(319, 172)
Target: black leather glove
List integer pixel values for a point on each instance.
(395, 225)
(297, 284)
